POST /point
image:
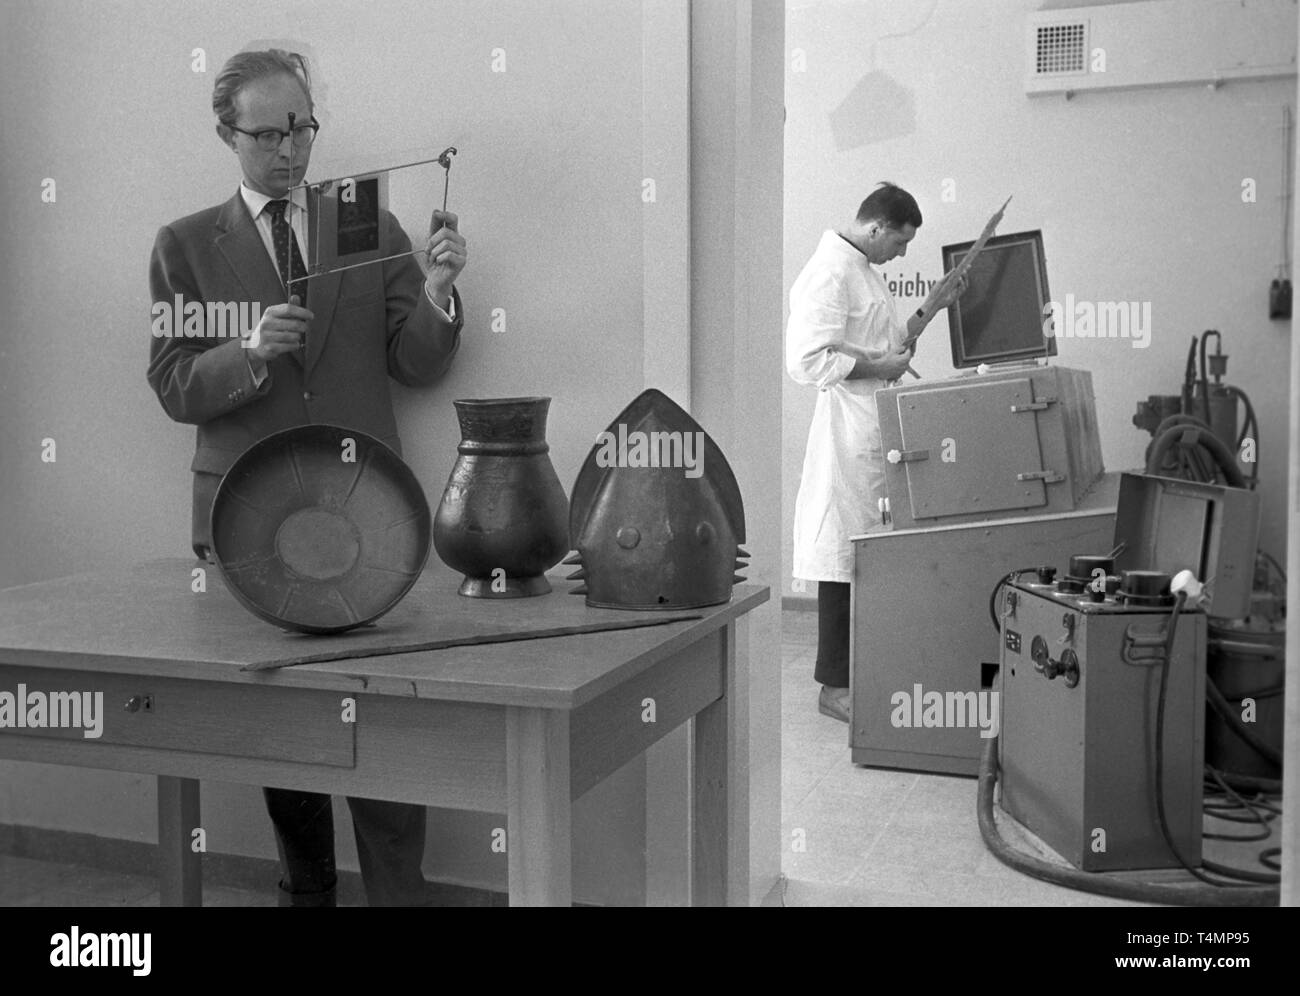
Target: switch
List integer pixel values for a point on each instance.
(1069, 668)
(1039, 654)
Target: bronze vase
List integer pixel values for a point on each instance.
(504, 518)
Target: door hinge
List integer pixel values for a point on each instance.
(1037, 405)
(1046, 476)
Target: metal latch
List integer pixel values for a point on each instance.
(907, 456)
(1046, 476)
(1037, 405)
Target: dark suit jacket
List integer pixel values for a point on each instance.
(371, 322)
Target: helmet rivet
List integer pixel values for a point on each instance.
(628, 537)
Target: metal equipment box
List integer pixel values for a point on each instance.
(1081, 685)
(1003, 444)
(1209, 529)
(920, 617)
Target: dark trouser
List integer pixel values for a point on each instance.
(390, 846)
(833, 633)
(390, 842)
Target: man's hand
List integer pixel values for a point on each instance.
(946, 293)
(890, 365)
(445, 254)
(281, 329)
(894, 364)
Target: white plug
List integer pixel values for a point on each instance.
(1185, 582)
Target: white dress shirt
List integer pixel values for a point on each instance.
(296, 213)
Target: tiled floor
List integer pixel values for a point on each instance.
(866, 836)
(24, 882)
(859, 836)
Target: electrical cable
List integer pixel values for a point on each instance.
(1192, 894)
(1189, 378)
(1252, 888)
(1250, 423)
(1234, 808)
(1201, 469)
(1203, 438)
(1205, 380)
(1171, 629)
(1168, 422)
(1248, 783)
(1195, 375)
(1245, 874)
(1276, 566)
(1253, 808)
(1010, 577)
(1213, 892)
(1230, 717)
(1166, 659)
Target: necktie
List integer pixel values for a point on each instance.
(284, 242)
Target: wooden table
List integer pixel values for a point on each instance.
(520, 728)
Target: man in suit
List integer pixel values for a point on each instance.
(324, 357)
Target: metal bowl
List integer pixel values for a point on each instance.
(312, 541)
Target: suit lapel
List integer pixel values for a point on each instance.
(322, 291)
(240, 244)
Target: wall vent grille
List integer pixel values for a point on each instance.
(1061, 49)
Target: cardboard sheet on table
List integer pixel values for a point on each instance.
(457, 630)
(149, 610)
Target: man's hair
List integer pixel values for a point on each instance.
(892, 205)
(245, 68)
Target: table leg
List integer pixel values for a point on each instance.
(180, 875)
(720, 835)
(539, 843)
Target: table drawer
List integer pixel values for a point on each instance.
(205, 717)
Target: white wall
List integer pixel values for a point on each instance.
(103, 99)
(1138, 195)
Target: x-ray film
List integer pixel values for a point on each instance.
(347, 221)
(348, 217)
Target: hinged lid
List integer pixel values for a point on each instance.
(1172, 525)
(1001, 316)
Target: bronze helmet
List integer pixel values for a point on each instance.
(656, 513)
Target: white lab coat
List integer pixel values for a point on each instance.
(838, 297)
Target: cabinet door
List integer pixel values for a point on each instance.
(967, 448)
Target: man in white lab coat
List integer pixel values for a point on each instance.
(845, 338)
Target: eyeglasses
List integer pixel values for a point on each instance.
(269, 139)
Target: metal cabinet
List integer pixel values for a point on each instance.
(994, 445)
(920, 623)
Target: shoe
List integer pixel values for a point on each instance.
(325, 898)
(835, 703)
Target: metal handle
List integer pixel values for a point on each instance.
(1249, 649)
(907, 456)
